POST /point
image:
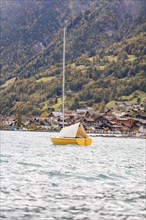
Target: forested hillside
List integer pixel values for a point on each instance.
(105, 53)
(27, 28)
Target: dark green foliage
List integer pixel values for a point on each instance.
(105, 52)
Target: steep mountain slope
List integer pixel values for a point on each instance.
(92, 31)
(105, 53)
(27, 27)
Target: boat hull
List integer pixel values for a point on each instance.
(74, 141)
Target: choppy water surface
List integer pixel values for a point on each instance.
(42, 182)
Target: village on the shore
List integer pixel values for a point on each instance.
(121, 120)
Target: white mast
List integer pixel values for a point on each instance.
(63, 77)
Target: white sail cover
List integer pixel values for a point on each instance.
(72, 131)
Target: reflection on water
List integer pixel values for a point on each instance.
(40, 181)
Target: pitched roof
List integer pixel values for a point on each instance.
(57, 114)
(84, 111)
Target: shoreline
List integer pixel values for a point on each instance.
(119, 136)
(140, 136)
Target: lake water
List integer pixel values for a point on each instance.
(40, 181)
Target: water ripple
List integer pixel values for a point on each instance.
(29, 164)
(42, 182)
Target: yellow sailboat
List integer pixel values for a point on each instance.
(73, 134)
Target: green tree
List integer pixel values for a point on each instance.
(138, 100)
(102, 107)
(19, 121)
(144, 103)
(75, 103)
